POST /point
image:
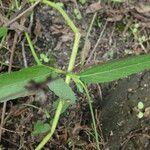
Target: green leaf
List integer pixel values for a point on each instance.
(3, 31)
(140, 105)
(83, 1)
(79, 87)
(115, 69)
(77, 14)
(62, 90)
(40, 127)
(140, 115)
(13, 85)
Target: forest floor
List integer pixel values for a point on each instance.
(120, 29)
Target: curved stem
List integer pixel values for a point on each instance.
(32, 49)
(73, 55)
(74, 29)
(70, 66)
(54, 125)
(92, 113)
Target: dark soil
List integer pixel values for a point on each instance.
(120, 124)
(114, 104)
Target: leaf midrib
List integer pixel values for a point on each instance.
(112, 70)
(24, 81)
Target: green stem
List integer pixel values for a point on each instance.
(17, 4)
(54, 125)
(74, 29)
(37, 59)
(70, 66)
(62, 12)
(73, 55)
(32, 49)
(92, 113)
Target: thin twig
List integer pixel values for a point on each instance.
(97, 43)
(12, 52)
(100, 92)
(22, 14)
(9, 70)
(86, 38)
(2, 119)
(87, 35)
(13, 143)
(5, 64)
(11, 131)
(23, 54)
(2, 10)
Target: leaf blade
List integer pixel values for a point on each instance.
(3, 31)
(62, 90)
(115, 69)
(13, 85)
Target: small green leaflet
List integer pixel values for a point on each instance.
(77, 14)
(13, 85)
(83, 1)
(3, 31)
(115, 69)
(62, 90)
(40, 127)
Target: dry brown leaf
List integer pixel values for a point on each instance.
(147, 112)
(115, 17)
(85, 50)
(93, 8)
(66, 37)
(18, 27)
(142, 7)
(38, 27)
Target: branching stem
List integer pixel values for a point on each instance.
(70, 66)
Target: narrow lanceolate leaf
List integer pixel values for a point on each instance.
(13, 85)
(62, 90)
(116, 69)
(3, 31)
